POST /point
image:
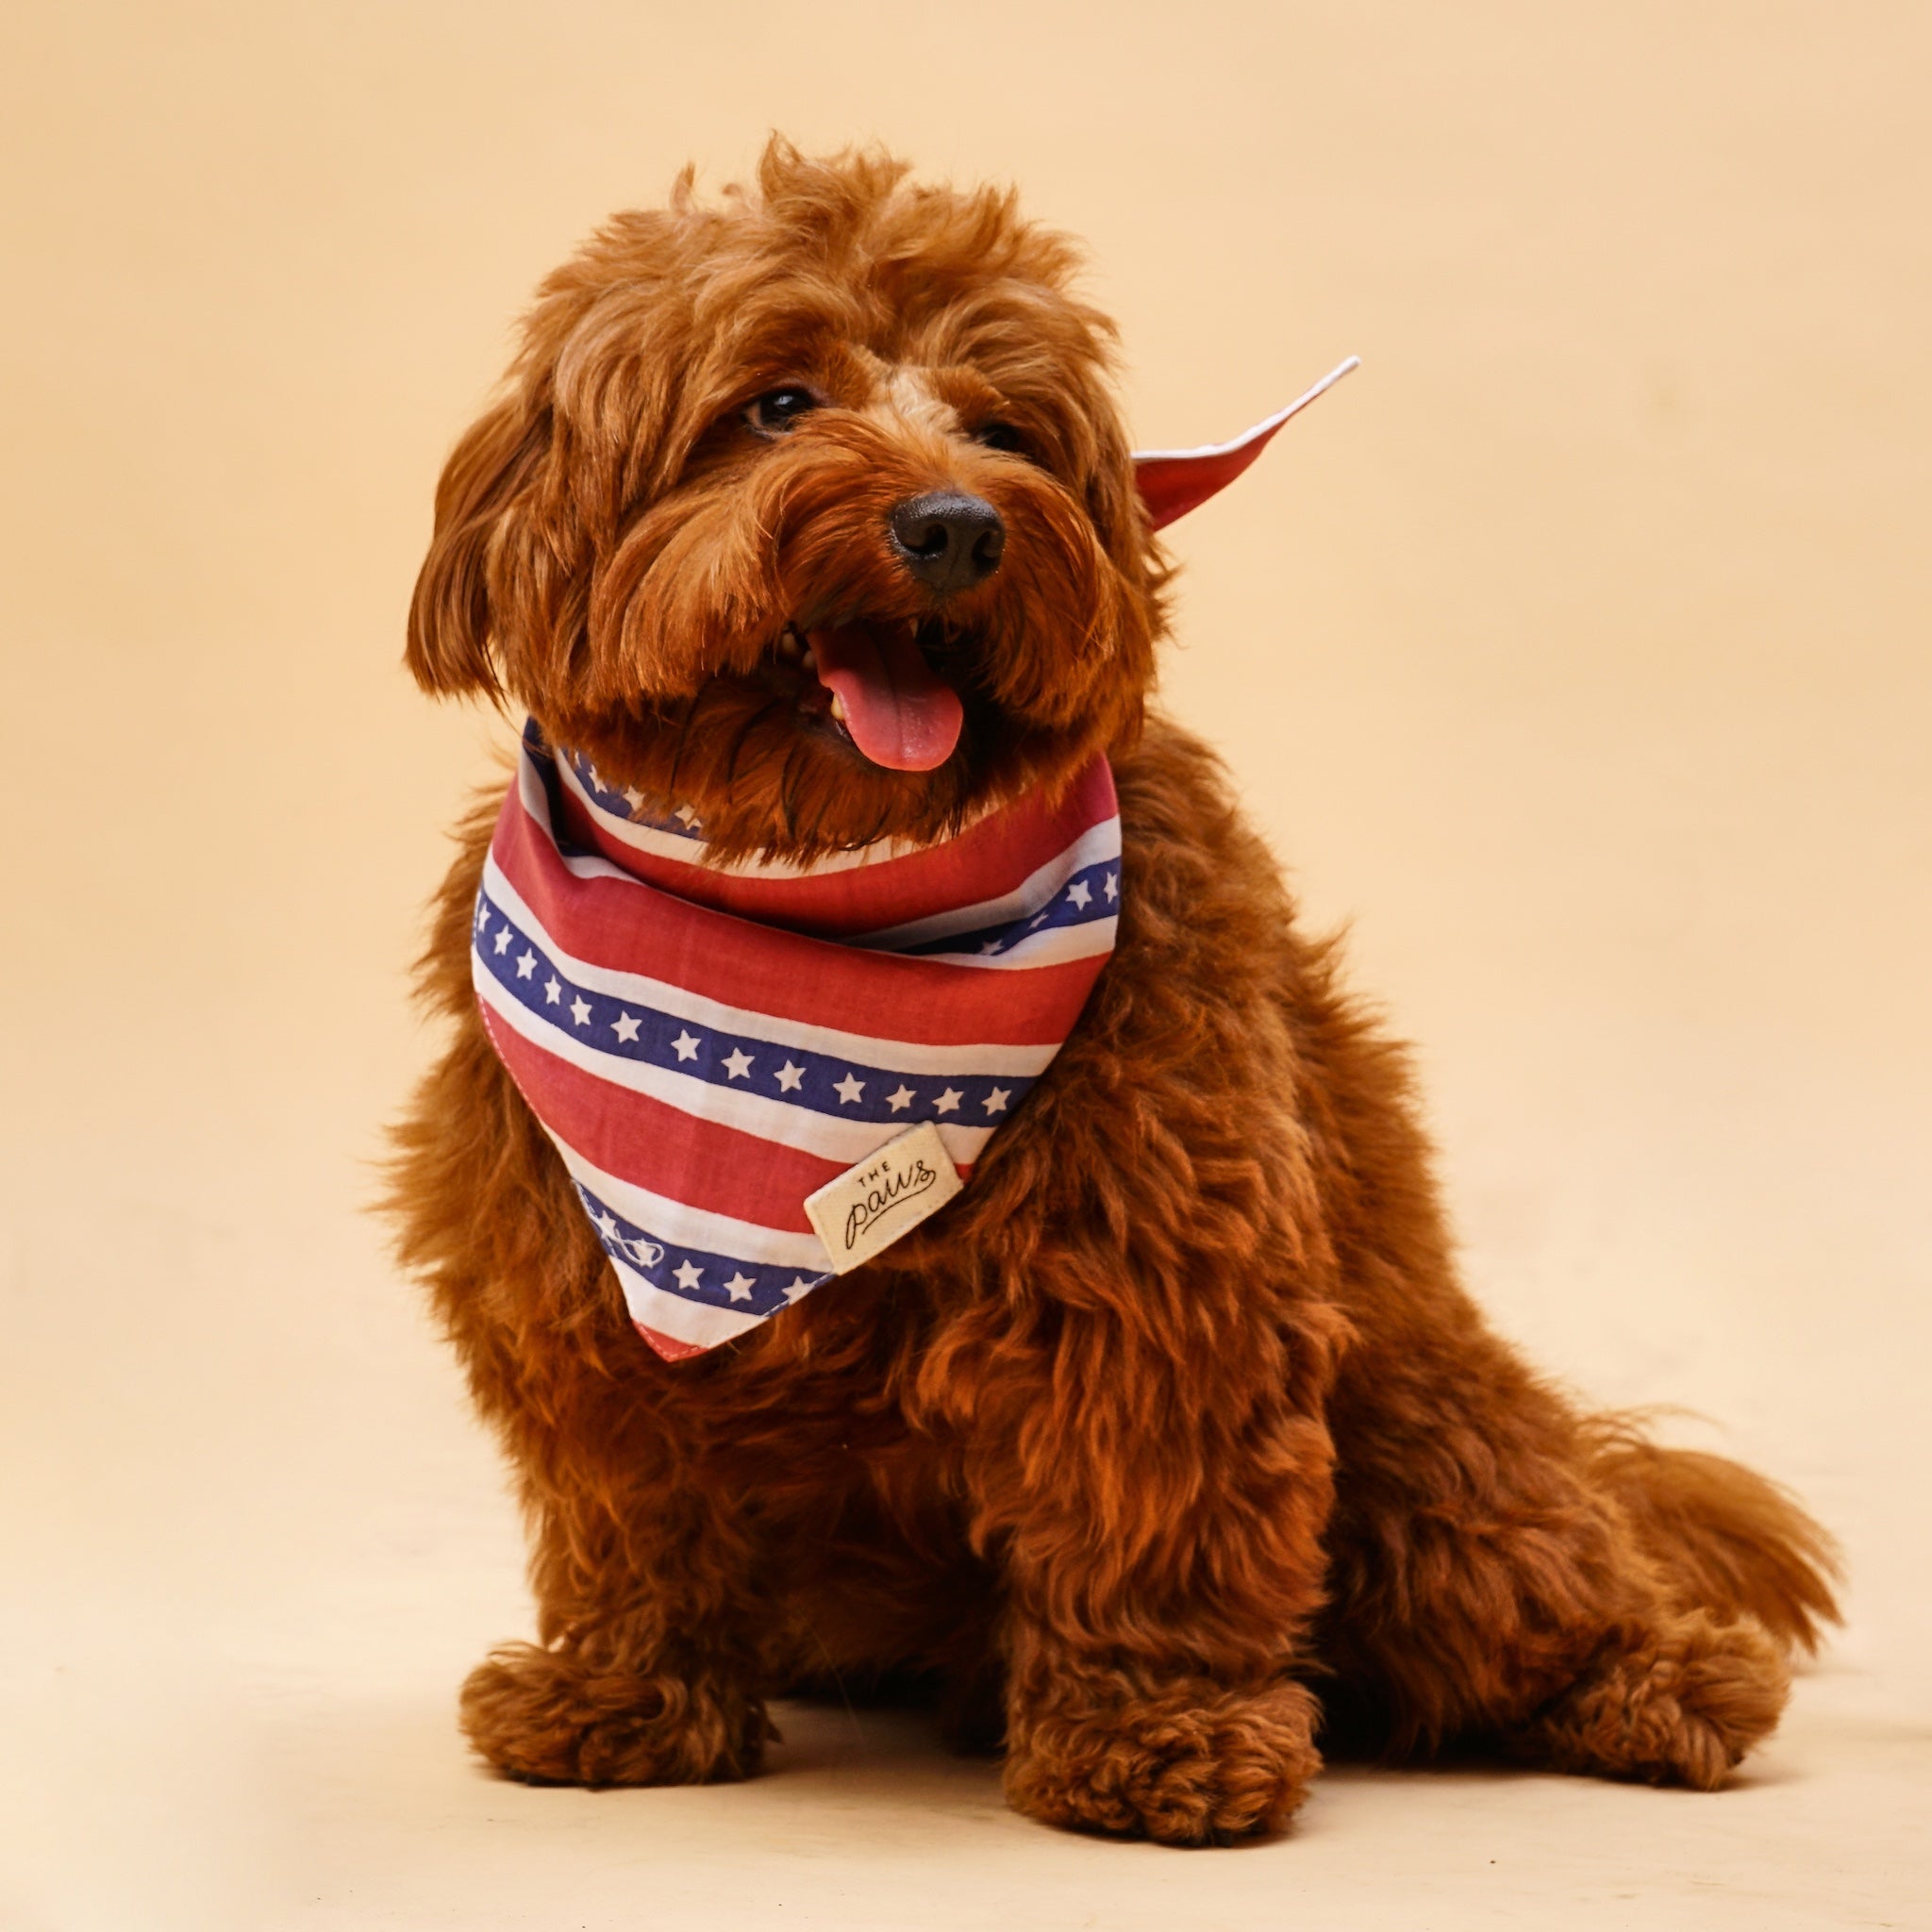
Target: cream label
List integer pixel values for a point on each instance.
(885, 1195)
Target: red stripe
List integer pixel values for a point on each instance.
(987, 861)
(668, 1347)
(654, 1145)
(628, 926)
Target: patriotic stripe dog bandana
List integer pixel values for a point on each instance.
(710, 1045)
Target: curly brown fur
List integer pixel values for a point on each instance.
(1178, 1414)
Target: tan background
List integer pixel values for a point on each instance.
(1576, 651)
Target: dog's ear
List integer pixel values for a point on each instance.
(1115, 505)
(452, 636)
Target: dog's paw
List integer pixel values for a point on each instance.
(548, 1718)
(1189, 1765)
(1679, 1703)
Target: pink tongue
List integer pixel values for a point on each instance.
(899, 714)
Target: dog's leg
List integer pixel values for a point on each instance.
(1158, 1504)
(1487, 1582)
(1669, 1698)
(646, 1673)
(648, 1669)
(1502, 1566)
(1138, 1376)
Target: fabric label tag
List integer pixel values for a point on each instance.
(885, 1195)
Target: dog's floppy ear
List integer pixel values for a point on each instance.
(450, 647)
(1111, 490)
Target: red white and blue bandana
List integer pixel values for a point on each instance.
(707, 1045)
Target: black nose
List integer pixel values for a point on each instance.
(949, 541)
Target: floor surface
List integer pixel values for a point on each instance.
(237, 1605)
(302, 1797)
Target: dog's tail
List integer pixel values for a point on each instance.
(1727, 1539)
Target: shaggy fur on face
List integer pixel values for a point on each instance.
(627, 544)
(1177, 1419)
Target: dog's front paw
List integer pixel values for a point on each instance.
(1188, 1764)
(549, 1718)
(1679, 1703)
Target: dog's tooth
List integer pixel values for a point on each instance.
(838, 708)
(788, 645)
(810, 659)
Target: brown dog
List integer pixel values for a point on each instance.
(1177, 1413)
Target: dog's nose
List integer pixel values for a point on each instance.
(948, 541)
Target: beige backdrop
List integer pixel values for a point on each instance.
(1574, 651)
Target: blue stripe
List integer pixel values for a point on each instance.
(705, 1275)
(608, 800)
(619, 807)
(652, 1037)
(1063, 910)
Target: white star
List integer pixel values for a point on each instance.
(526, 965)
(850, 1090)
(606, 1222)
(624, 1027)
(687, 1047)
(633, 797)
(591, 780)
(688, 1275)
(1112, 886)
(1080, 892)
(949, 1101)
(789, 1078)
(503, 940)
(580, 1010)
(553, 991)
(482, 916)
(686, 817)
(903, 1098)
(799, 1286)
(1039, 921)
(997, 1100)
(738, 1288)
(738, 1065)
(989, 946)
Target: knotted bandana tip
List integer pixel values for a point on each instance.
(1173, 481)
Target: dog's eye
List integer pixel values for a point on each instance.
(1002, 437)
(777, 410)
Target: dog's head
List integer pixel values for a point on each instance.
(811, 511)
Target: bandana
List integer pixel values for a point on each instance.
(707, 1045)
(1173, 481)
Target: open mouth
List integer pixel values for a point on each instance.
(882, 693)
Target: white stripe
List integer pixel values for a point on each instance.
(1095, 846)
(1052, 945)
(865, 1050)
(699, 1324)
(777, 1121)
